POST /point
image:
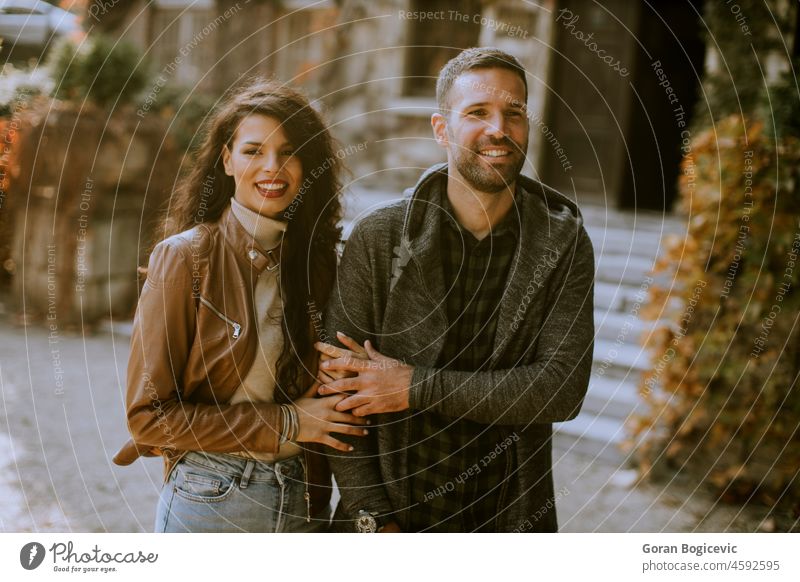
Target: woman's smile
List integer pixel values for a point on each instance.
(272, 188)
(264, 166)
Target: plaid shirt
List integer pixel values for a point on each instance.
(456, 474)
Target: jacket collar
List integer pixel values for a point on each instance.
(549, 224)
(249, 254)
(550, 206)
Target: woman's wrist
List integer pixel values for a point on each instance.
(290, 424)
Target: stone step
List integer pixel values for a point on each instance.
(639, 220)
(615, 297)
(626, 269)
(625, 327)
(612, 398)
(619, 361)
(625, 242)
(594, 437)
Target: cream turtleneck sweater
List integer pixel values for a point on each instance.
(259, 384)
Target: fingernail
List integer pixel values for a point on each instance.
(369, 421)
(349, 448)
(366, 431)
(325, 364)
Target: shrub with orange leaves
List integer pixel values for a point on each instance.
(723, 390)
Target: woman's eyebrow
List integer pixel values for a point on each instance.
(260, 143)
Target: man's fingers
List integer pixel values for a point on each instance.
(341, 386)
(352, 344)
(363, 411)
(371, 352)
(350, 384)
(351, 403)
(347, 363)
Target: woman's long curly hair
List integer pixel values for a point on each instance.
(308, 252)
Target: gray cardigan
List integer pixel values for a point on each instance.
(391, 290)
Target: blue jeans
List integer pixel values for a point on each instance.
(216, 492)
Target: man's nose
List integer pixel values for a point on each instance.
(496, 125)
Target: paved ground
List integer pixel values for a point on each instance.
(61, 421)
(56, 446)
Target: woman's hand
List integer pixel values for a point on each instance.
(331, 352)
(318, 418)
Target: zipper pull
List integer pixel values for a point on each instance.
(308, 505)
(237, 329)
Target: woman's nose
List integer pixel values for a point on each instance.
(270, 162)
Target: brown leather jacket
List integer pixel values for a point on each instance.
(194, 339)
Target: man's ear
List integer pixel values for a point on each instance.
(226, 160)
(439, 125)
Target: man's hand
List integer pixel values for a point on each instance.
(382, 384)
(331, 352)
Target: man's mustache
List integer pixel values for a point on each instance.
(504, 141)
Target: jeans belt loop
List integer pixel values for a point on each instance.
(248, 470)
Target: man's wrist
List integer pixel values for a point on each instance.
(370, 521)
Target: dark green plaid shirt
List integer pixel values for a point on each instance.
(458, 467)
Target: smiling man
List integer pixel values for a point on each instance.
(472, 299)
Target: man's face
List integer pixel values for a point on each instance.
(485, 132)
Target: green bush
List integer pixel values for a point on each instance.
(102, 70)
(723, 389)
(724, 394)
(185, 110)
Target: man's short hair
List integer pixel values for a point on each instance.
(469, 60)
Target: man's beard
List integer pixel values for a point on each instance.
(469, 164)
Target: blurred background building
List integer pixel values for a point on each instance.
(626, 98)
(600, 132)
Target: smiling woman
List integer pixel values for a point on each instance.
(225, 305)
(263, 163)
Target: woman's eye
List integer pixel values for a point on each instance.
(478, 112)
(251, 152)
(287, 153)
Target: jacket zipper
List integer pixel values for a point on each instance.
(237, 328)
(306, 494)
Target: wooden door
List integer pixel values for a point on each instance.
(589, 98)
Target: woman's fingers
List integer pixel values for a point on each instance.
(348, 429)
(324, 377)
(358, 350)
(329, 351)
(336, 444)
(312, 391)
(349, 418)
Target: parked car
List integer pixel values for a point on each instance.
(32, 25)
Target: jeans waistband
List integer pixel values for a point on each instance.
(292, 467)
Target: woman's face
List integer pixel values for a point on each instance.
(264, 166)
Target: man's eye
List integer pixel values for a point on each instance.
(477, 112)
(251, 152)
(287, 153)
